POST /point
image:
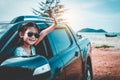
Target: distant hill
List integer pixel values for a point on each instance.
(91, 30)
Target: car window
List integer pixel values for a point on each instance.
(3, 28)
(60, 39)
(40, 49)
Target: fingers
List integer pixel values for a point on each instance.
(51, 15)
(50, 12)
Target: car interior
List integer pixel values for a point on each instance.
(43, 48)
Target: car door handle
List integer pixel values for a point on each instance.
(76, 53)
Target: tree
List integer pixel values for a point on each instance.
(50, 6)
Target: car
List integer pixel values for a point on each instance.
(62, 55)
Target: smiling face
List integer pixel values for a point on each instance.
(28, 38)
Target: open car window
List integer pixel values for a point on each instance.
(44, 49)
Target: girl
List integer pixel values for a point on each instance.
(29, 35)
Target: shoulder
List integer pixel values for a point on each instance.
(19, 51)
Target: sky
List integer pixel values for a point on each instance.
(96, 14)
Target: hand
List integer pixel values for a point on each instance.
(50, 12)
(53, 17)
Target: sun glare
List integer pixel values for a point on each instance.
(74, 18)
(69, 17)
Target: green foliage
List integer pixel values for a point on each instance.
(50, 6)
(103, 46)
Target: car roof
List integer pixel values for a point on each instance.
(30, 17)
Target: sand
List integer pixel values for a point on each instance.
(97, 40)
(106, 63)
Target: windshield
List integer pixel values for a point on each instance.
(4, 28)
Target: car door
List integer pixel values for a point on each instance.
(67, 52)
(47, 49)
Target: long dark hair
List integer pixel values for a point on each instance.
(22, 28)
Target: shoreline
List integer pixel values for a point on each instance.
(114, 42)
(98, 39)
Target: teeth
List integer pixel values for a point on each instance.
(31, 40)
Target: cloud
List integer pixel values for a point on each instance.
(12, 8)
(83, 13)
(97, 14)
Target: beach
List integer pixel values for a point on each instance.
(98, 39)
(105, 61)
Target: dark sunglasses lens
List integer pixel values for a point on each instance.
(30, 34)
(37, 35)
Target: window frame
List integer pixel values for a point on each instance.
(54, 49)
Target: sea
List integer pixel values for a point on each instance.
(98, 39)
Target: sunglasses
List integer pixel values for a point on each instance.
(30, 34)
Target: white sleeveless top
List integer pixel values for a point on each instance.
(19, 51)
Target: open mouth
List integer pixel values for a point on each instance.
(31, 40)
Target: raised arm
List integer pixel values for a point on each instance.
(46, 31)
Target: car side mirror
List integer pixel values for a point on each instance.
(26, 65)
(78, 35)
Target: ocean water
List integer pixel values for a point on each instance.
(98, 39)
